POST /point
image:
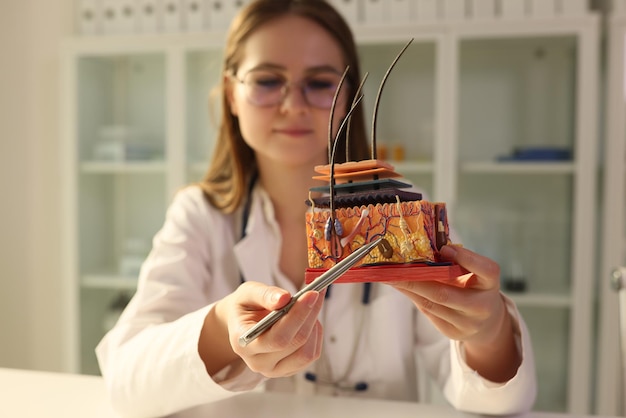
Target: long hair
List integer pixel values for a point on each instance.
(233, 161)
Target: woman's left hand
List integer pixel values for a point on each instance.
(474, 314)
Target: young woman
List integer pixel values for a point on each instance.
(233, 248)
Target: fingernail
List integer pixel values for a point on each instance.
(312, 300)
(448, 251)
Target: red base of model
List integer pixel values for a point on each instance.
(449, 273)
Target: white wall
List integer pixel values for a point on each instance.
(31, 284)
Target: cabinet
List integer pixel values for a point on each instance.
(610, 389)
(541, 213)
(464, 96)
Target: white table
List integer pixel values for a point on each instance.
(272, 405)
(30, 394)
(33, 394)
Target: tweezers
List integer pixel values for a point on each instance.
(319, 284)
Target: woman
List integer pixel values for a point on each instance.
(234, 248)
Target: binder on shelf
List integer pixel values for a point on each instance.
(147, 16)
(513, 9)
(193, 15)
(349, 9)
(374, 11)
(171, 16)
(118, 16)
(108, 9)
(454, 9)
(88, 17)
(401, 11)
(428, 11)
(220, 13)
(482, 9)
(542, 8)
(127, 16)
(239, 4)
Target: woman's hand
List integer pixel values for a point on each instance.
(474, 314)
(287, 347)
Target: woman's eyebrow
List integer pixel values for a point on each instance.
(281, 68)
(323, 69)
(267, 66)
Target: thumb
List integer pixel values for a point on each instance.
(486, 272)
(256, 295)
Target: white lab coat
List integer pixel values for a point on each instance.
(150, 360)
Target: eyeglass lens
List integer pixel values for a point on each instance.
(267, 88)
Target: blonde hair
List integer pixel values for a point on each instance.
(233, 162)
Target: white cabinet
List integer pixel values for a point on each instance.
(517, 98)
(462, 99)
(611, 387)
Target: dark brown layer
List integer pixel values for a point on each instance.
(370, 197)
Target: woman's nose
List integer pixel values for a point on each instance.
(294, 97)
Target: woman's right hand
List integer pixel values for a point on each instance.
(287, 347)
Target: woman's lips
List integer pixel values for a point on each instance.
(294, 131)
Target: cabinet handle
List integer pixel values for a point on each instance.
(618, 278)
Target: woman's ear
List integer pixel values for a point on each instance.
(230, 95)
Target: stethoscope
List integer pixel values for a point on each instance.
(365, 300)
(339, 384)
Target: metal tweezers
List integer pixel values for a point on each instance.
(319, 284)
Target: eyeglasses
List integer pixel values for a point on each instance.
(266, 88)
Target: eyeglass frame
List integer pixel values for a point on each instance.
(285, 88)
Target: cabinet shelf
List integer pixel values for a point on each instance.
(402, 167)
(114, 44)
(534, 168)
(412, 167)
(496, 28)
(199, 168)
(541, 300)
(418, 167)
(101, 167)
(109, 281)
(113, 281)
(520, 28)
(116, 282)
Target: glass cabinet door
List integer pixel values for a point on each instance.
(516, 180)
(121, 109)
(121, 181)
(406, 121)
(203, 78)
